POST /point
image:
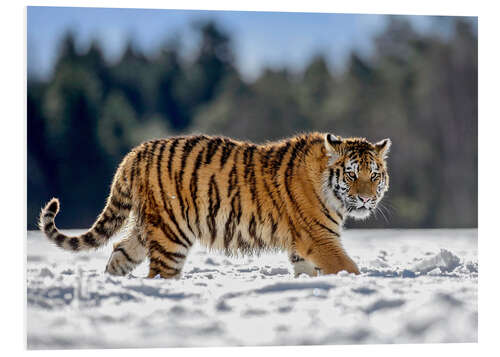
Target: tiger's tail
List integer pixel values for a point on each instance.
(111, 219)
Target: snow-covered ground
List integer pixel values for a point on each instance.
(416, 286)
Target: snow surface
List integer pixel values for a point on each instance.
(416, 286)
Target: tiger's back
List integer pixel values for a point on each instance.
(225, 193)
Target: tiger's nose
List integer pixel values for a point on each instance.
(364, 199)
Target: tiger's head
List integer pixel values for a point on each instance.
(356, 176)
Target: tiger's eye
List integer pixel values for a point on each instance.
(352, 175)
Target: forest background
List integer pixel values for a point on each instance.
(419, 89)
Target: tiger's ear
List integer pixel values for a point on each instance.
(382, 147)
(332, 144)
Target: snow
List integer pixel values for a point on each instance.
(416, 286)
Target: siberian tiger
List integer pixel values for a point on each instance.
(236, 197)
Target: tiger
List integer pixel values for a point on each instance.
(236, 197)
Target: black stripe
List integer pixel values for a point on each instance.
(154, 270)
(293, 230)
(177, 255)
(120, 205)
(106, 216)
(229, 228)
(249, 173)
(59, 239)
(175, 142)
(122, 271)
(212, 147)
(167, 232)
(132, 172)
(328, 229)
(293, 162)
(186, 240)
(137, 165)
(276, 164)
(48, 227)
(324, 209)
(133, 169)
(74, 243)
(271, 196)
(213, 207)
(112, 266)
(339, 198)
(193, 188)
(252, 231)
(248, 160)
(88, 239)
(170, 235)
(150, 157)
(158, 222)
(121, 191)
(52, 207)
(178, 191)
(168, 208)
(49, 215)
(266, 156)
(226, 152)
(188, 221)
(252, 227)
(263, 168)
(186, 150)
(171, 215)
(141, 240)
(173, 257)
(158, 172)
(238, 208)
(232, 181)
(161, 263)
(99, 229)
(278, 157)
(274, 227)
(330, 179)
(125, 254)
(312, 142)
(234, 216)
(114, 211)
(242, 245)
(289, 171)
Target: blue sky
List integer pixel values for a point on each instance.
(260, 39)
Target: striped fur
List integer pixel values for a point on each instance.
(232, 196)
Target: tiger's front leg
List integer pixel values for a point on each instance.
(329, 257)
(302, 266)
(332, 260)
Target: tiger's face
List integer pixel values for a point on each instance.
(356, 176)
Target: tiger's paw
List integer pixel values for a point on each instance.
(302, 266)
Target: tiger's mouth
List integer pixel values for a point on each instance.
(353, 206)
(359, 212)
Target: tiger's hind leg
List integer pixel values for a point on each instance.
(302, 266)
(127, 254)
(167, 251)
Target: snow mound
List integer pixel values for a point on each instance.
(444, 261)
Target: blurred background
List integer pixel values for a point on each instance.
(101, 81)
